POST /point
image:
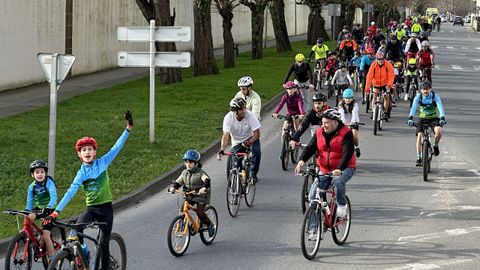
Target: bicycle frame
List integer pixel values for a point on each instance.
(185, 212)
(329, 222)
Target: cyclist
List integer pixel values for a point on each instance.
(347, 48)
(331, 67)
(355, 62)
(334, 146)
(422, 37)
(348, 109)
(413, 46)
(372, 29)
(294, 105)
(383, 47)
(342, 34)
(367, 43)
(417, 27)
(411, 74)
(254, 102)
(365, 64)
(394, 52)
(426, 60)
(382, 76)
(194, 178)
(303, 77)
(358, 34)
(431, 108)
(42, 194)
(400, 32)
(321, 52)
(244, 128)
(342, 79)
(377, 39)
(93, 176)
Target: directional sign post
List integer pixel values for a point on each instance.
(154, 59)
(334, 10)
(368, 8)
(56, 67)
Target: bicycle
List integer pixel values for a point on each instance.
(308, 178)
(240, 183)
(28, 244)
(318, 74)
(378, 113)
(288, 152)
(313, 228)
(427, 149)
(76, 256)
(184, 225)
(357, 79)
(412, 90)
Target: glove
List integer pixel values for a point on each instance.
(221, 153)
(442, 121)
(410, 121)
(47, 211)
(128, 118)
(50, 218)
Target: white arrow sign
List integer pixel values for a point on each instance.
(65, 62)
(162, 34)
(162, 59)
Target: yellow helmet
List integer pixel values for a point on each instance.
(398, 64)
(299, 57)
(412, 61)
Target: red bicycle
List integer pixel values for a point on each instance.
(28, 245)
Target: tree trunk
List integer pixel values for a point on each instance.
(204, 59)
(228, 44)
(316, 26)
(279, 26)
(257, 32)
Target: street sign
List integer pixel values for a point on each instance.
(368, 7)
(162, 34)
(334, 10)
(162, 59)
(64, 63)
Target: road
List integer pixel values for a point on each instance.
(398, 220)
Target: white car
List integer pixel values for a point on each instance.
(467, 19)
(443, 18)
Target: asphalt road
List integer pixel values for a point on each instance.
(398, 220)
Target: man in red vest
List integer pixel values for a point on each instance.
(335, 147)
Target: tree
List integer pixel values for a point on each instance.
(277, 11)
(257, 7)
(316, 23)
(203, 58)
(225, 8)
(159, 10)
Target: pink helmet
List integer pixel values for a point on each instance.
(289, 85)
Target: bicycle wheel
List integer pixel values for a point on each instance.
(211, 212)
(118, 252)
(251, 188)
(19, 253)
(233, 195)
(307, 183)
(64, 260)
(381, 116)
(355, 81)
(425, 161)
(375, 120)
(367, 107)
(178, 236)
(229, 165)
(312, 229)
(284, 157)
(294, 155)
(341, 227)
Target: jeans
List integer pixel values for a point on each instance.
(339, 182)
(256, 156)
(304, 88)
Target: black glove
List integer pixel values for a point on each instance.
(128, 117)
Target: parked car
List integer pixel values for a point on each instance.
(467, 19)
(458, 20)
(444, 19)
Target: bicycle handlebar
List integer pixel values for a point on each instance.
(286, 117)
(25, 213)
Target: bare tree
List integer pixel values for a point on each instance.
(203, 58)
(159, 10)
(277, 11)
(316, 23)
(225, 8)
(257, 7)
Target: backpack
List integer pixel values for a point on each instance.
(433, 100)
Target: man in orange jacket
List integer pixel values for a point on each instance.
(381, 74)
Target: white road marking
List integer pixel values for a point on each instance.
(475, 60)
(457, 67)
(477, 48)
(475, 171)
(464, 48)
(435, 195)
(434, 265)
(434, 47)
(449, 47)
(453, 232)
(476, 67)
(469, 207)
(452, 32)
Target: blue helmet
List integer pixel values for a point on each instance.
(348, 93)
(192, 155)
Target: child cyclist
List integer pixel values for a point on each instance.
(193, 178)
(348, 109)
(93, 176)
(42, 194)
(431, 113)
(294, 104)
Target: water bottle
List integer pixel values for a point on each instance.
(325, 206)
(86, 252)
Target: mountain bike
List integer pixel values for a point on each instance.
(77, 256)
(28, 245)
(378, 113)
(368, 98)
(185, 225)
(427, 149)
(314, 227)
(288, 152)
(412, 90)
(240, 183)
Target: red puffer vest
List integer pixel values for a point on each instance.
(329, 157)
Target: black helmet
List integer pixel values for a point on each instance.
(319, 40)
(237, 103)
(332, 114)
(38, 164)
(342, 65)
(319, 97)
(426, 85)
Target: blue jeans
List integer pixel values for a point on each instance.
(338, 181)
(256, 156)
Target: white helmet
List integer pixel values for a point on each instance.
(425, 43)
(372, 23)
(245, 81)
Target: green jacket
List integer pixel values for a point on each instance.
(194, 180)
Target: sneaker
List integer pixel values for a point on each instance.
(341, 211)
(405, 97)
(357, 152)
(418, 163)
(326, 83)
(211, 230)
(436, 151)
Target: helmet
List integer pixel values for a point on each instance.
(319, 97)
(237, 103)
(422, 34)
(366, 38)
(85, 141)
(426, 85)
(332, 114)
(412, 61)
(369, 51)
(425, 43)
(348, 35)
(289, 85)
(348, 93)
(398, 64)
(413, 34)
(332, 53)
(38, 164)
(393, 36)
(379, 56)
(372, 23)
(192, 155)
(299, 57)
(245, 81)
(319, 40)
(342, 65)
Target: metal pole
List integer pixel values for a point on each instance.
(295, 5)
(334, 36)
(53, 116)
(152, 81)
(265, 41)
(368, 18)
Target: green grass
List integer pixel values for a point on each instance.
(186, 116)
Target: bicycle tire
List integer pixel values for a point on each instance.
(250, 191)
(13, 247)
(176, 229)
(381, 115)
(340, 236)
(294, 155)
(367, 107)
(311, 213)
(375, 120)
(284, 157)
(307, 182)
(229, 165)
(211, 212)
(233, 195)
(425, 153)
(117, 261)
(65, 259)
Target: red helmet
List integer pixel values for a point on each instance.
(85, 141)
(380, 56)
(289, 85)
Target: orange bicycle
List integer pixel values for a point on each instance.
(187, 224)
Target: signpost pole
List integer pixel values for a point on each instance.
(152, 81)
(53, 116)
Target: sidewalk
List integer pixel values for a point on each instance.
(24, 99)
